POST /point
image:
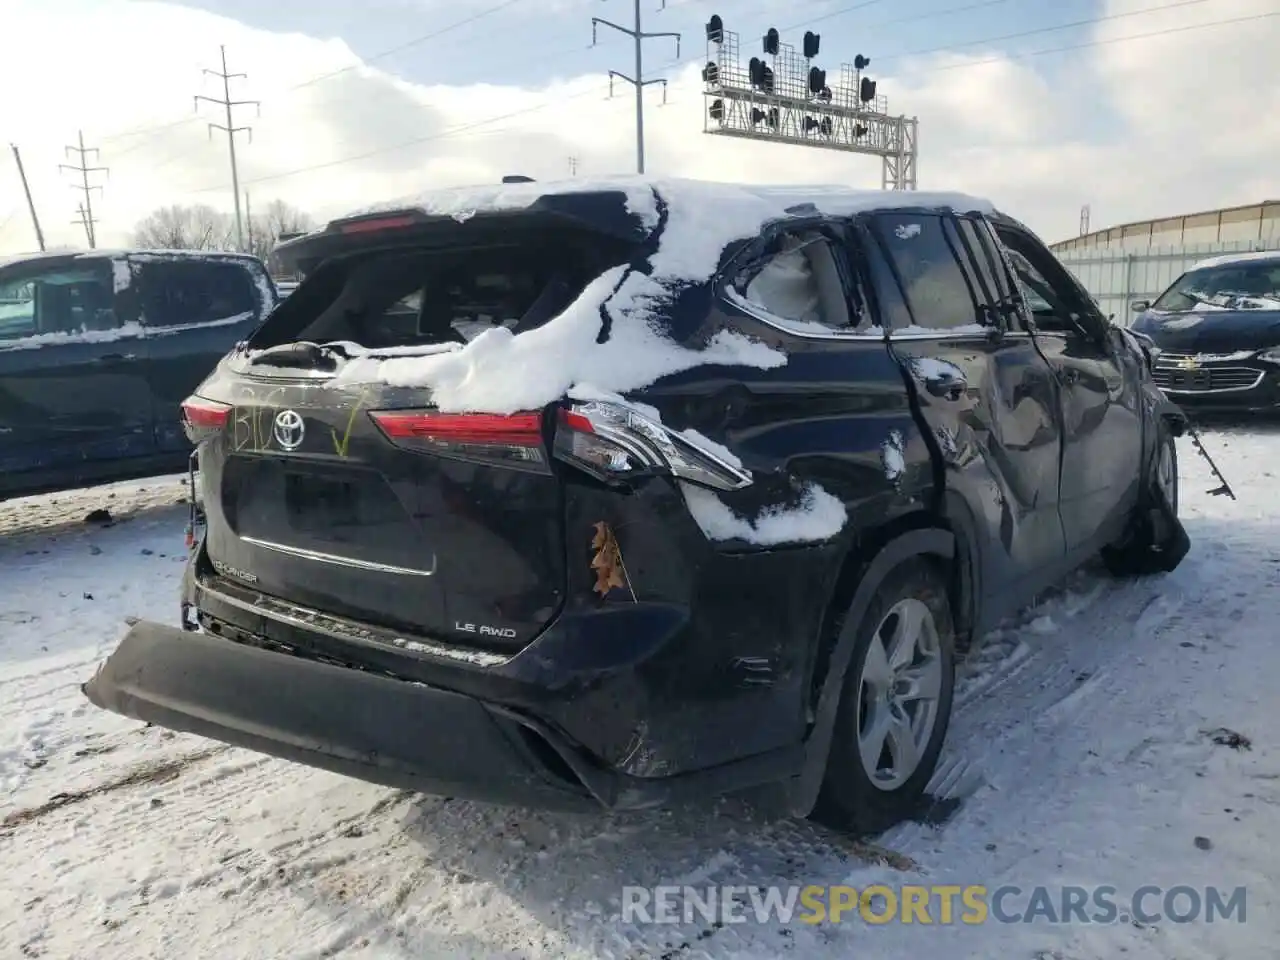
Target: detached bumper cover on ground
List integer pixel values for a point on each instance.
(359, 724)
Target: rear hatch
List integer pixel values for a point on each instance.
(359, 499)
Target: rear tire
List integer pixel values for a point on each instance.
(895, 705)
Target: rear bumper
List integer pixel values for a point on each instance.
(376, 728)
(354, 723)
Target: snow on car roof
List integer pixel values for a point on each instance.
(705, 216)
(13, 259)
(499, 372)
(727, 211)
(1227, 259)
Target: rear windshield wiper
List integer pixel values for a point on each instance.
(302, 355)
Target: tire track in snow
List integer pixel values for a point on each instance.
(152, 773)
(1023, 683)
(1032, 675)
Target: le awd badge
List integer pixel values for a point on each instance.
(611, 572)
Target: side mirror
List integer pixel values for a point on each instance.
(1140, 306)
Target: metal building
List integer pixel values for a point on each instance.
(1137, 261)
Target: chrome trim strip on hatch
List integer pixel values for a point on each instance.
(309, 619)
(304, 554)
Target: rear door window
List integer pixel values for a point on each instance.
(192, 293)
(941, 286)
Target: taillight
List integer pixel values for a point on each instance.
(513, 441)
(202, 419)
(616, 443)
(379, 223)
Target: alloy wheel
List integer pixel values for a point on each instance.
(898, 694)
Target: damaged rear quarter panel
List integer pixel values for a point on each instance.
(736, 682)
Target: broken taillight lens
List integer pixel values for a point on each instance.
(203, 419)
(614, 443)
(513, 440)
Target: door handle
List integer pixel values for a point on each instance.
(1070, 376)
(115, 358)
(950, 386)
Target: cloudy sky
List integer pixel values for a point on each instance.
(1138, 108)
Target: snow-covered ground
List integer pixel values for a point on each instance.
(1081, 754)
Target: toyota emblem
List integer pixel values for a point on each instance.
(289, 429)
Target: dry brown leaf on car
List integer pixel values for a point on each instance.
(607, 562)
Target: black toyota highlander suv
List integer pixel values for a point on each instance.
(641, 491)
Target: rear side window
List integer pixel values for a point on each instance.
(188, 293)
(924, 257)
(411, 297)
(804, 281)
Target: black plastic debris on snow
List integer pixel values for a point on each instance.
(1224, 737)
(1224, 488)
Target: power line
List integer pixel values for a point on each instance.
(638, 36)
(837, 13)
(1189, 28)
(595, 91)
(83, 168)
(480, 15)
(1039, 30)
(927, 15)
(152, 130)
(390, 51)
(231, 130)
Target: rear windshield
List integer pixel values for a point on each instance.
(409, 297)
(1244, 285)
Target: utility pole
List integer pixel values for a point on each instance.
(35, 221)
(83, 220)
(231, 130)
(638, 81)
(248, 221)
(84, 170)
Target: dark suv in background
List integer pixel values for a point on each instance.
(622, 494)
(98, 351)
